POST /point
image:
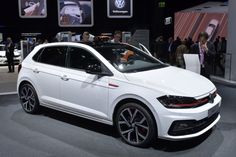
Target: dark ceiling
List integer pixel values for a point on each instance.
(146, 15)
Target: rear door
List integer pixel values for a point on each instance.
(47, 71)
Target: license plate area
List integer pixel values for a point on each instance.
(214, 110)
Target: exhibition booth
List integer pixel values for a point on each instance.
(103, 78)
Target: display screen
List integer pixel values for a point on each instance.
(119, 8)
(32, 8)
(75, 13)
(190, 24)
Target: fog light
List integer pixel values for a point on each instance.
(180, 127)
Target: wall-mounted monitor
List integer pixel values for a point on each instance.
(120, 8)
(75, 13)
(191, 24)
(32, 8)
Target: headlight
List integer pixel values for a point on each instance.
(181, 102)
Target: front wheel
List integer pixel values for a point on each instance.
(28, 98)
(135, 125)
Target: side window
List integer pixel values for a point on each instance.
(53, 56)
(37, 55)
(80, 58)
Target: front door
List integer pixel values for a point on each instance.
(82, 92)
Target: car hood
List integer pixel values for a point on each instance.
(173, 81)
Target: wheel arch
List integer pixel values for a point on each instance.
(139, 101)
(23, 81)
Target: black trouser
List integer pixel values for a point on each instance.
(10, 62)
(205, 71)
(218, 58)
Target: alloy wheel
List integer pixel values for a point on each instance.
(27, 98)
(133, 125)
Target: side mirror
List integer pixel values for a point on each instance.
(94, 69)
(97, 69)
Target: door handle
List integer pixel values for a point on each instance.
(36, 71)
(64, 78)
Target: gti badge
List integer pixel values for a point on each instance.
(120, 3)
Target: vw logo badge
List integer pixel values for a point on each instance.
(120, 3)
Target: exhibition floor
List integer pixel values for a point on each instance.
(56, 134)
(7, 80)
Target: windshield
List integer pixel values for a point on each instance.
(127, 59)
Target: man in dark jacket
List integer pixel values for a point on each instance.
(10, 55)
(160, 49)
(206, 51)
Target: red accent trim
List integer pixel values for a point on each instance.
(194, 104)
(113, 85)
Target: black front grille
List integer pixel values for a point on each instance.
(208, 99)
(191, 126)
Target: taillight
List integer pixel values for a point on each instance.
(19, 68)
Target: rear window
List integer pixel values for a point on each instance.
(52, 56)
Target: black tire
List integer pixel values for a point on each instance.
(136, 125)
(29, 98)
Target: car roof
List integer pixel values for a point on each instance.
(88, 44)
(103, 44)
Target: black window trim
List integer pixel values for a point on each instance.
(42, 50)
(37, 53)
(106, 69)
(80, 47)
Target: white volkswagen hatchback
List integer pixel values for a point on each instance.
(120, 85)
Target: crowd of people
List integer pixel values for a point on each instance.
(171, 51)
(10, 46)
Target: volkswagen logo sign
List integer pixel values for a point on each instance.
(120, 4)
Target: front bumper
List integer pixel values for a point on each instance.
(177, 124)
(186, 127)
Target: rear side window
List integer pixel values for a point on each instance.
(52, 55)
(37, 55)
